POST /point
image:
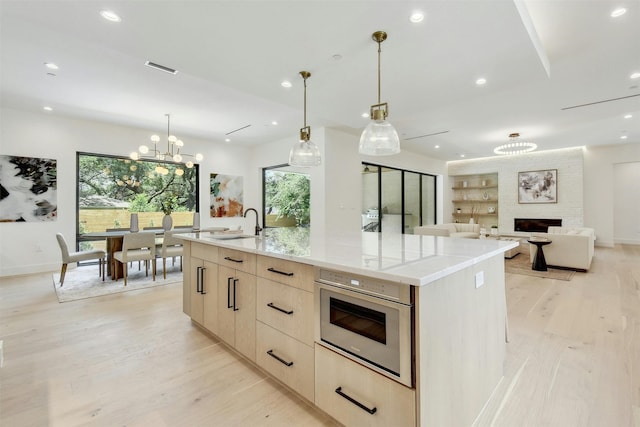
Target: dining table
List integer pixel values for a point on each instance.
(114, 240)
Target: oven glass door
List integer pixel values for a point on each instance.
(364, 326)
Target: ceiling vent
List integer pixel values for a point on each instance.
(600, 102)
(161, 67)
(237, 130)
(424, 136)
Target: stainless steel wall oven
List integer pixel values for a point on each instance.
(368, 320)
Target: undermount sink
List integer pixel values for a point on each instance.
(231, 236)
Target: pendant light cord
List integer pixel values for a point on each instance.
(305, 102)
(379, 51)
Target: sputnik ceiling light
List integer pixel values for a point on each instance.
(515, 146)
(379, 138)
(172, 154)
(305, 153)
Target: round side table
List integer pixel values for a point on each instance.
(539, 263)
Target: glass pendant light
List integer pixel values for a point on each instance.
(305, 153)
(379, 138)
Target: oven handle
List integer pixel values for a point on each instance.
(355, 402)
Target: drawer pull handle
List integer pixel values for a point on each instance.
(284, 273)
(275, 307)
(228, 258)
(355, 402)
(284, 362)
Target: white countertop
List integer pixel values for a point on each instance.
(403, 258)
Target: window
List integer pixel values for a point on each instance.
(286, 197)
(396, 200)
(111, 188)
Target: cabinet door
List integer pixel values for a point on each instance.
(197, 302)
(210, 296)
(226, 315)
(245, 313)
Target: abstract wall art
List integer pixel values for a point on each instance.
(538, 186)
(28, 189)
(225, 195)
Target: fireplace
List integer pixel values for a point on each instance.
(540, 225)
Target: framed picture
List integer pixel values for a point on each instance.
(538, 186)
(28, 189)
(226, 195)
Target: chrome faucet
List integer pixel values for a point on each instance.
(258, 228)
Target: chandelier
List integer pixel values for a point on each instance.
(172, 154)
(379, 138)
(515, 146)
(305, 153)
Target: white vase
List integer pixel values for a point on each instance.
(133, 223)
(196, 221)
(167, 222)
(472, 221)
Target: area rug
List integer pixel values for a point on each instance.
(520, 264)
(84, 282)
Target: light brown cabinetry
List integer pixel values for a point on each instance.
(357, 396)
(202, 272)
(236, 301)
(285, 323)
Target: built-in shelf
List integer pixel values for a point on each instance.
(478, 192)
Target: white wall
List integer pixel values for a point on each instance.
(32, 247)
(599, 183)
(569, 164)
(336, 186)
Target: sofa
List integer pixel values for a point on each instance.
(571, 247)
(453, 229)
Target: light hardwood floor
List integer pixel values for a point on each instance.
(135, 359)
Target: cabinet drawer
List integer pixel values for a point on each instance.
(239, 260)
(295, 367)
(394, 403)
(287, 272)
(286, 309)
(205, 252)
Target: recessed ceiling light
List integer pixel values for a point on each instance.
(365, 115)
(274, 123)
(227, 140)
(635, 75)
(481, 81)
(47, 108)
(461, 155)
(286, 83)
(628, 116)
(623, 137)
(110, 16)
(336, 57)
(437, 146)
(416, 17)
(51, 65)
(618, 12)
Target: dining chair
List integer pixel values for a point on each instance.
(139, 246)
(121, 229)
(171, 247)
(70, 257)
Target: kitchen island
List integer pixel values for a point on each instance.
(260, 296)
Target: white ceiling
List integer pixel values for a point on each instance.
(232, 56)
